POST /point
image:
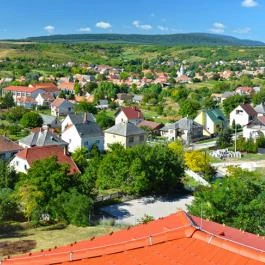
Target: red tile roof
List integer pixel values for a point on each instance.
(132, 112)
(262, 119)
(171, 240)
(41, 152)
(21, 89)
(6, 145)
(58, 102)
(67, 86)
(48, 87)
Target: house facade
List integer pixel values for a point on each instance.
(242, 115)
(129, 114)
(255, 128)
(185, 129)
(61, 107)
(84, 134)
(212, 121)
(126, 134)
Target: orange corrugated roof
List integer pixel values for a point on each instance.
(171, 240)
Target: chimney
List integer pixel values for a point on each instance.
(85, 117)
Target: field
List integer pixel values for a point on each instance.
(18, 238)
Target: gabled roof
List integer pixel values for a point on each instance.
(66, 86)
(21, 89)
(47, 119)
(149, 124)
(175, 239)
(260, 108)
(88, 129)
(42, 138)
(6, 145)
(41, 152)
(131, 113)
(182, 124)
(249, 109)
(125, 129)
(60, 101)
(48, 87)
(215, 115)
(80, 117)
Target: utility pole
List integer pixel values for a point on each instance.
(235, 136)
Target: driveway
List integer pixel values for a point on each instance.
(131, 211)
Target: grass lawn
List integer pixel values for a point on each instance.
(252, 157)
(19, 238)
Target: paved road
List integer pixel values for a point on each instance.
(129, 212)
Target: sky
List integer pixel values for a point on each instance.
(25, 18)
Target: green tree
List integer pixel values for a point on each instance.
(8, 176)
(189, 108)
(104, 121)
(236, 200)
(85, 106)
(225, 138)
(8, 205)
(80, 156)
(31, 120)
(7, 101)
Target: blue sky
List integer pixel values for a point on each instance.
(240, 18)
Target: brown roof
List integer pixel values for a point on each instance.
(66, 86)
(21, 89)
(41, 152)
(132, 112)
(150, 124)
(48, 87)
(6, 145)
(171, 240)
(249, 109)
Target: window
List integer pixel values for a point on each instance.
(25, 167)
(17, 163)
(85, 143)
(131, 140)
(141, 138)
(239, 111)
(97, 141)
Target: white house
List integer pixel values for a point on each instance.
(129, 114)
(26, 157)
(61, 106)
(242, 115)
(44, 99)
(72, 119)
(255, 128)
(84, 134)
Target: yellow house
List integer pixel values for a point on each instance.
(213, 121)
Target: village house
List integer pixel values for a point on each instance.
(126, 134)
(68, 87)
(242, 115)
(260, 109)
(122, 98)
(8, 148)
(212, 121)
(129, 114)
(185, 130)
(103, 104)
(248, 91)
(43, 137)
(85, 133)
(50, 121)
(24, 159)
(61, 106)
(255, 128)
(44, 99)
(72, 119)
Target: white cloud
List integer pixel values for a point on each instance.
(138, 25)
(50, 29)
(162, 28)
(218, 28)
(249, 3)
(103, 25)
(86, 29)
(245, 30)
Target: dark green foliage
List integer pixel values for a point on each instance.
(232, 102)
(48, 189)
(189, 108)
(31, 120)
(104, 121)
(237, 201)
(85, 107)
(15, 114)
(8, 176)
(193, 39)
(8, 205)
(140, 170)
(7, 101)
(225, 138)
(259, 97)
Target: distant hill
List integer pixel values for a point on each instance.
(193, 39)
